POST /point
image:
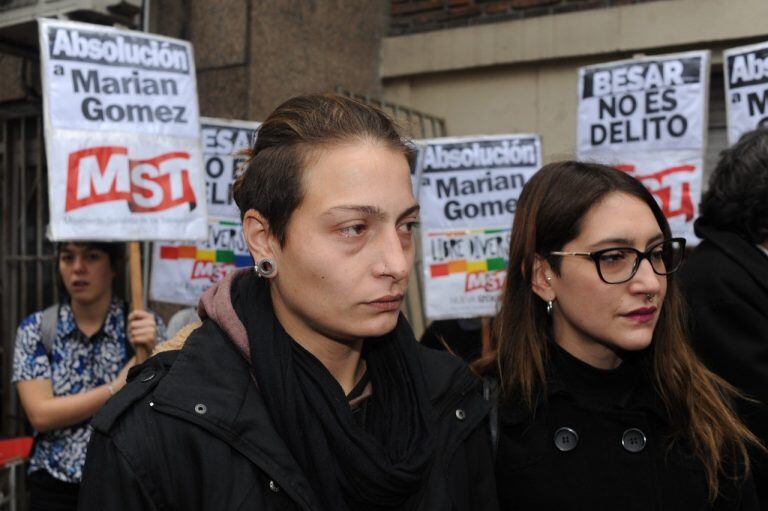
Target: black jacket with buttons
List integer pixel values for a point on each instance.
(191, 432)
(599, 442)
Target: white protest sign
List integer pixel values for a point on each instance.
(746, 89)
(122, 134)
(647, 116)
(181, 272)
(222, 141)
(469, 188)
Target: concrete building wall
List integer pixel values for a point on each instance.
(411, 16)
(252, 55)
(521, 75)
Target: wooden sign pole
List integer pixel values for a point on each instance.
(137, 291)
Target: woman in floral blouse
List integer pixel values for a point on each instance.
(64, 380)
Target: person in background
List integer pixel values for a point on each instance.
(69, 360)
(462, 337)
(304, 388)
(180, 319)
(603, 403)
(726, 283)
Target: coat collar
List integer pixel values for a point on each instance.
(571, 381)
(114, 321)
(743, 253)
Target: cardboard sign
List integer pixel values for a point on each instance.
(181, 272)
(746, 89)
(122, 134)
(648, 117)
(469, 188)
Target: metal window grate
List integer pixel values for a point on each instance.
(415, 123)
(27, 272)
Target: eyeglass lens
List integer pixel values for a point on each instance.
(619, 265)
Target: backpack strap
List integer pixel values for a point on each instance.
(48, 325)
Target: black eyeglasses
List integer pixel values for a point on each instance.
(619, 264)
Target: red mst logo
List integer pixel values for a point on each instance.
(655, 184)
(106, 174)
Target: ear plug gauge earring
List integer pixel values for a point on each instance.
(265, 268)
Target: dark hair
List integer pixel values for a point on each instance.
(271, 182)
(115, 251)
(737, 198)
(549, 214)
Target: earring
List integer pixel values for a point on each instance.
(549, 278)
(266, 268)
(550, 304)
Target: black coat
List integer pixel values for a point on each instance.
(190, 432)
(600, 462)
(726, 285)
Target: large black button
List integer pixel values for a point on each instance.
(566, 439)
(633, 440)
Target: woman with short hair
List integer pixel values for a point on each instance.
(304, 388)
(603, 403)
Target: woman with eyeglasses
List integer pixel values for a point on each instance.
(602, 403)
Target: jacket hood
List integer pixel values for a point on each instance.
(216, 304)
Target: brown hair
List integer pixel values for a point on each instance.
(285, 142)
(549, 214)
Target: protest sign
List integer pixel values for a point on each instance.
(122, 134)
(181, 272)
(746, 89)
(647, 116)
(469, 188)
(222, 141)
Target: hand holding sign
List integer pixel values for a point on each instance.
(142, 333)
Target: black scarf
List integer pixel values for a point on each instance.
(382, 467)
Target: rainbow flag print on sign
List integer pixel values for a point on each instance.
(181, 272)
(216, 256)
(464, 266)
